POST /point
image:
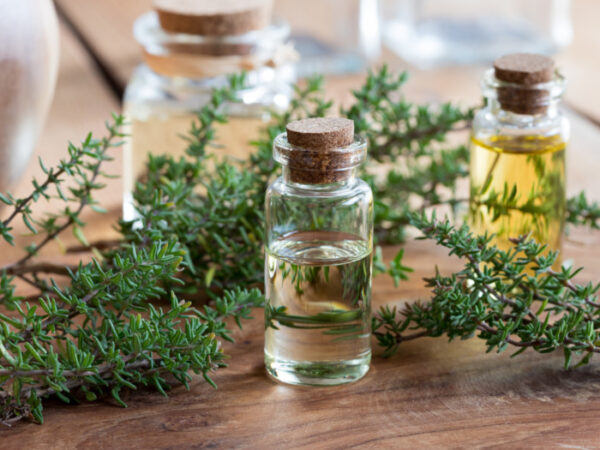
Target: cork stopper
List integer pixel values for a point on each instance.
(524, 68)
(523, 72)
(321, 133)
(213, 17)
(320, 150)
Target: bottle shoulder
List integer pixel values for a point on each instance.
(356, 189)
(146, 87)
(488, 121)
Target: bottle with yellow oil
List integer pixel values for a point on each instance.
(189, 48)
(517, 156)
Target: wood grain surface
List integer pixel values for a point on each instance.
(433, 394)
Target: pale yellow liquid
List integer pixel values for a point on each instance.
(162, 132)
(535, 167)
(324, 283)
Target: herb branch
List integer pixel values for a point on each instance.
(509, 298)
(104, 329)
(131, 316)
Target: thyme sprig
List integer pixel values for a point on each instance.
(509, 298)
(99, 331)
(125, 319)
(417, 169)
(580, 211)
(83, 170)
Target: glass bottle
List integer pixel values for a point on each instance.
(180, 70)
(429, 33)
(517, 161)
(318, 256)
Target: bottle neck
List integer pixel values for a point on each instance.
(522, 103)
(302, 179)
(322, 169)
(506, 115)
(196, 56)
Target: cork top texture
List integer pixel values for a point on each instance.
(524, 68)
(321, 132)
(524, 71)
(213, 17)
(321, 152)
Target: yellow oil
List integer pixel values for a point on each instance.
(161, 132)
(518, 187)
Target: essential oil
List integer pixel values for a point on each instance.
(318, 287)
(518, 187)
(318, 251)
(517, 156)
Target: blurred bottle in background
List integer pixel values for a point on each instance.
(429, 33)
(29, 53)
(189, 49)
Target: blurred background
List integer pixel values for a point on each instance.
(344, 36)
(444, 44)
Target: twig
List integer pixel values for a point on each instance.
(105, 244)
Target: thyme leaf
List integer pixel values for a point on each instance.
(153, 306)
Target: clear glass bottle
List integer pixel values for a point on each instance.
(518, 144)
(176, 81)
(318, 257)
(430, 33)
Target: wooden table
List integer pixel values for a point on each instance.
(432, 394)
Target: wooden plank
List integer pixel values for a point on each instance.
(107, 26)
(432, 394)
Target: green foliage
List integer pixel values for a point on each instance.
(83, 168)
(413, 169)
(100, 331)
(508, 298)
(580, 211)
(126, 320)
(213, 209)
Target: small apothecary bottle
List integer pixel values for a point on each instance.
(190, 48)
(518, 147)
(318, 256)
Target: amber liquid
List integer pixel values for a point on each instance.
(163, 133)
(530, 170)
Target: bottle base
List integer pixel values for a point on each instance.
(317, 373)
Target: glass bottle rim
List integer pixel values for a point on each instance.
(555, 88)
(148, 33)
